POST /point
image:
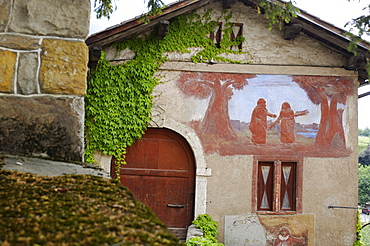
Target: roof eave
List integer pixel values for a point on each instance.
(135, 26)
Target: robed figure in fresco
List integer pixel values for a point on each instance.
(258, 124)
(287, 122)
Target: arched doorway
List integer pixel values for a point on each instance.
(160, 171)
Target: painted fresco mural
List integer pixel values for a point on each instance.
(288, 231)
(237, 113)
(270, 230)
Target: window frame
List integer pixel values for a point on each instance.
(276, 194)
(217, 35)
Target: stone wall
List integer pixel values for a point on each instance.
(43, 69)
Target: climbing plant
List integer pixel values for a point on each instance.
(118, 106)
(210, 232)
(119, 101)
(358, 231)
(277, 12)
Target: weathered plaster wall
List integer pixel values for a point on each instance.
(330, 182)
(228, 179)
(43, 64)
(261, 46)
(229, 190)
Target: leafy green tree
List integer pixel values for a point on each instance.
(364, 157)
(363, 184)
(104, 8)
(365, 132)
(276, 12)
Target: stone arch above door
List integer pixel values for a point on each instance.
(160, 171)
(201, 173)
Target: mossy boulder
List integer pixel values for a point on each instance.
(74, 210)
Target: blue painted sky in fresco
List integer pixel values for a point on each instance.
(275, 89)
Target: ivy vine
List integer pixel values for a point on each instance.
(210, 232)
(358, 241)
(119, 101)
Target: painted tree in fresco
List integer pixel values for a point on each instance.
(328, 92)
(219, 87)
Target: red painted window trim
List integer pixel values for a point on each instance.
(216, 36)
(277, 175)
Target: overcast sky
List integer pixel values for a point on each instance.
(337, 12)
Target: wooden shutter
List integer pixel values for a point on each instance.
(288, 186)
(265, 186)
(238, 29)
(216, 36)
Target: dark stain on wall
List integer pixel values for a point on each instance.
(40, 126)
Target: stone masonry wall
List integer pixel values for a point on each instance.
(43, 69)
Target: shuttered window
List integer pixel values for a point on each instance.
(236, 31)
(276, 186)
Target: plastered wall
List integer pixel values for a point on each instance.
(225, 181)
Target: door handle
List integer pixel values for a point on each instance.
(175, 205)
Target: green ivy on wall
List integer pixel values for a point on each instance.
(119, 101)
(210, 232)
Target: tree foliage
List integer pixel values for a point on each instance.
(277, 12)
(365, 132)
(364, 157)
(360, 24)
(104, 8)
(363, 184)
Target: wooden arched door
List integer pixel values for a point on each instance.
(160, 171)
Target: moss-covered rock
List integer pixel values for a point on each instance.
(74, 210)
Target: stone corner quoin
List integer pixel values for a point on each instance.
(50, 18)
(43, 73)
(64, 67)
(7, 67)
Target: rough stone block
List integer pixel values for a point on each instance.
(8, 60)
(52, 18)
(103, 160)
(5, 7)
(50, 127)
(18, 42)
(64, 67)
(193, 231)
(27, 80)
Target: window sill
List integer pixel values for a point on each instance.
(276, 212)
